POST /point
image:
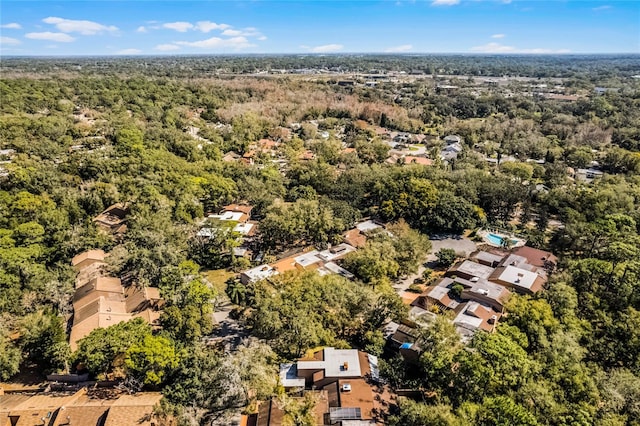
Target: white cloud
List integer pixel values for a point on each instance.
(497, 36)
(8, 41)
(501, 48)
(218, 43)
(47, 35)
(12, 26)
(262, 38)
(326, 48)
(603, 7)
(444, 2)
(181, 27)
(166, 47)
(141, 29)
(232, 33)
(401, 48)
(207, 26)
(79, 26)
(129, 52)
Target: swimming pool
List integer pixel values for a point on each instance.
(496, 239)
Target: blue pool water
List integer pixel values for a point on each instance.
(496, 239)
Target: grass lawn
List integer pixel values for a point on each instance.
(218, 278)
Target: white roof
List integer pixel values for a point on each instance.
(240, 251)
(243, 228)
(475, 269)
(206, 232)
(334, 362)
(227, 216)
(260, 272)
(367, 225)
(289, 376)
(333, 268)
(336, 251)
(438, 292)
(465, 320)
(308, 258)
(518, 277)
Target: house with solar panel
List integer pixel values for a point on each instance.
(348, 380)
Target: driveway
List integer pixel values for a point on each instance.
(457, 242)
(230, 333)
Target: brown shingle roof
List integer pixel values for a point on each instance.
(91, 255)
(355, 238)
(133, 410)
(536, 257)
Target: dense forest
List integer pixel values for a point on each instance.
(78, 135)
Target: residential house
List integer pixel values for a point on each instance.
(271, 413)
(468, 269)
(355, 238)
(231, 157)
(348, 376)
(258, 273)
(89, 265)
(452, 139)
(538, 258)
(240, 213)
(588, 175)
(478, 305)
(100, 301)
(475, 316)
(78, 408)
(113, 219)
(518, 279)
(450, 151)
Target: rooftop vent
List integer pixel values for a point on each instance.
(345, 366)
(346, 387)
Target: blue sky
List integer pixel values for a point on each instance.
(419, 26)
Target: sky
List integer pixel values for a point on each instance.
(93, 27)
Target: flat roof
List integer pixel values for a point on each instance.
(518, 277)
(464, 319)
(475, 269)
(243, 228)
(333, 363)
(308, 258)
(336, 252)
(289, 376)
(367, 225)
(260, 272)
(227, 215)
(334, 268)
(488, 257)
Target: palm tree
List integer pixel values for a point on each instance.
(236, 292)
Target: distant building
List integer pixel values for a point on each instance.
(588, 175)
(113, 219)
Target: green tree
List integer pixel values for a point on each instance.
(446, 256)
(104, 349)
(152, 359)
(503, 411)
